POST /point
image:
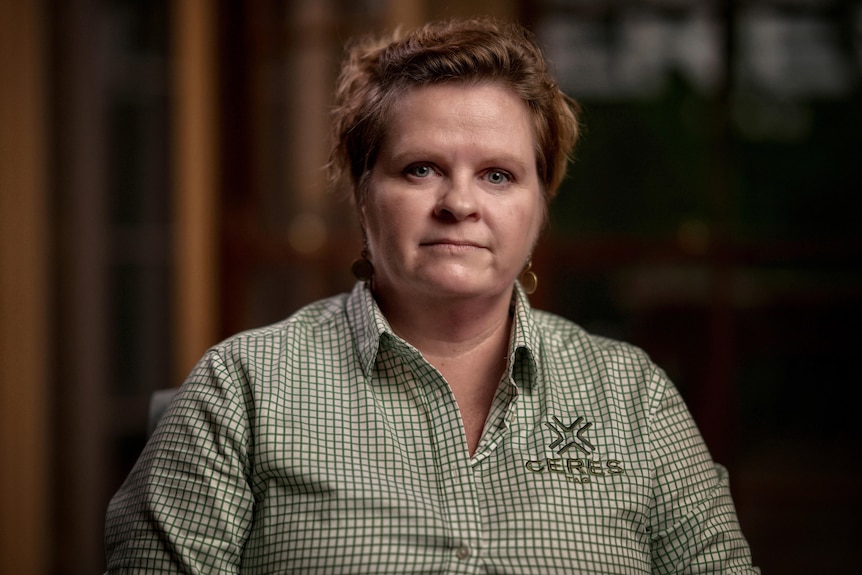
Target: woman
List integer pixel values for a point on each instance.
(430, 420)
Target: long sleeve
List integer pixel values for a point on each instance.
(694, 528)
(187, 506)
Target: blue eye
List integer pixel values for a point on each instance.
(419, 170)
(498, 177)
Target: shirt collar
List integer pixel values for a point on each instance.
(523, 359)
(369, 326)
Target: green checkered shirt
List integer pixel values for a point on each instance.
(327, 444)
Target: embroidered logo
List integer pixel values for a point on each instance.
(575, 457)
(567, 437)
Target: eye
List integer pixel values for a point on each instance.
(498, 177)
(419, 170)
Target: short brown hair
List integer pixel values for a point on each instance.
(375, 71)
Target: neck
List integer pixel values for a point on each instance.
(449, 328)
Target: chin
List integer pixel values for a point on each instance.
(463, 287)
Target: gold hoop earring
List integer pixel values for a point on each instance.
(362, 268)
(529, 280)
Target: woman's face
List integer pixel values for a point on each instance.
(454, 204)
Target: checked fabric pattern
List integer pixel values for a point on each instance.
(327, 444)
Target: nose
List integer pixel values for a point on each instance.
(457, 200)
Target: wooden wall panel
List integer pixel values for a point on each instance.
(196, 191)
(24, 330)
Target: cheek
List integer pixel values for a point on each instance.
(543, 219)
(535, 221)
(381, 220)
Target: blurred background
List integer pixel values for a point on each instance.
(161, 188)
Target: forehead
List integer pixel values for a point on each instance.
(487, 114)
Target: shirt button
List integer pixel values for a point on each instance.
(462, 552)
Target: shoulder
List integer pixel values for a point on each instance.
(563, 336)
(595, 364)
(306, 325)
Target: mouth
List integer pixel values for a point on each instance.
(451, 243)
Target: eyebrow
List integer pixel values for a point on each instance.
(493, 159)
